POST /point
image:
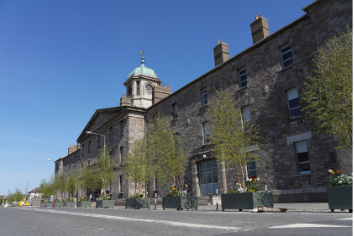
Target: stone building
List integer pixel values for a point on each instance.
(266, 80)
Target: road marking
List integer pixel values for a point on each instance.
(346, 219)
(302, 225)
(171, 223)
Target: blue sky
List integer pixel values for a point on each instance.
(62, 60)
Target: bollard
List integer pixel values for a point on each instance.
(217, 199)
(155, 200)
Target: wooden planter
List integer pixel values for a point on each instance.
(137, 203)
(69, 204)
(105, 204)
(86, 204)
(340, 197)
(180, 203)
(58, 204)
(246, 200)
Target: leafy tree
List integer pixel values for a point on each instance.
(164, 145)
(328, 94)
(18, 195)
(47, 187)
(10, 197)
(137, 166)
(61, 183)
(104, 168)
(88, 179)
(233, 139)
(1, 200)
(73, 183)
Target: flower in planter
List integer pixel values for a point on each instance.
(340, 180)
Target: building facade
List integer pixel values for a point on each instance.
(266, 80)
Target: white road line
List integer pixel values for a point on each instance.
(346, 219)
(171, 223)
(302, 225)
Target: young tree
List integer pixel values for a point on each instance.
(164, 145)
(61, 183)
(73, 183)
(328, 94)
(47, 187)
(18, 195)
(233, 139)
(104, 168)
(89, 179)
(137, 166)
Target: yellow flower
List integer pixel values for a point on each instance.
(174, 188)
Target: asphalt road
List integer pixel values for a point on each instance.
(67, 221)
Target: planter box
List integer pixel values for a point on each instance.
(86, 204)
(69, 204)
(340, 197)
(137, 203)
(105, 204)
(43, 204)
(58, 204)
(246, 200)
(46, 204)
(180, 203)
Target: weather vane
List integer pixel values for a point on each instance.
(142, 52)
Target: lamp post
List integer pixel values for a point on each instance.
(104, 147)
(26, 190)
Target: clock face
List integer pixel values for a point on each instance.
(148, 88)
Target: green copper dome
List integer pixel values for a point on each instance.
(143, 70)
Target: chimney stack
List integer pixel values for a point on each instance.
(259, 29)
(159, 92)
(125, 101)
(221, 53)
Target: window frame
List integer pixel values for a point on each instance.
(245, 123)
(204, 96)
(175, 110)
(281, 56)
(251, 169)
(83, 150)
(121, 153)
(239, 77)
(288, 101)
(122, 127)
(138, 87)
(206, 136)
(304, 162)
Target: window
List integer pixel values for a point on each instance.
(302, 157)
(293, 103)
(121, 183)
(242, 78)
(175, 111)
(89, 146)
(286, 56)
(137, 87)
(206, 133)
(251, 169)
(246, 117)
(121, 154)
(156, 185)
(204, 97)
(111, 133)
(83, 149)
(122, 126)
(88, 163)
(99, 141)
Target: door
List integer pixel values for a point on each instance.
(208, 177)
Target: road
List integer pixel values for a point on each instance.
(73, 221)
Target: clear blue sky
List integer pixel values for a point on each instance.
(62, 60)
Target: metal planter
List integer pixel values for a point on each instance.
(340, 197)
(137, 203)
(69, 204)
(86, 204)
(246, 200)
(180, 203)
(58, 204)
(105, 204)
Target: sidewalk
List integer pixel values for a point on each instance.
(301, 206)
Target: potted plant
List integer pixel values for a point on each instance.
(246, 198)
(58, 203)
(180, 199)
(83, 202)
(137, 201)
(105, 201)
(69, 202)
(340, 193)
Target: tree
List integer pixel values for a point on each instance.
(328, 94)
(47, 187)
(233, 139)
(89, 180)
(164, 145)
(137, 166)
(104, 168)
(61, 183)
(73, 183)
(18, 195)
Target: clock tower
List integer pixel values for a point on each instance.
(140, 85)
